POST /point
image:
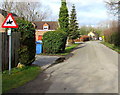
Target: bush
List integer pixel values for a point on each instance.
(54, 41)
(116, 38)
(112, 36)
(27, 42)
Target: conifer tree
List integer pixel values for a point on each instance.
(73, 27)
(64, 17)
(64, 20)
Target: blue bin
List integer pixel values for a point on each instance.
(38, 47)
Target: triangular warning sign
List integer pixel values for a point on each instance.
(9, 22)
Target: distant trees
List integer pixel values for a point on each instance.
(73, 27)
(85, 30)
(30, 11)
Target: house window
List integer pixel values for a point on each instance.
(45, 27)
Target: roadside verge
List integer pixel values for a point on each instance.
(111, 46)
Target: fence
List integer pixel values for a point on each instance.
(4, 49)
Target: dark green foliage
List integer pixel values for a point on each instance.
(64, 20)
(116, 38)
(54, 41)
(64, 17)
(27, 42)
(74, 31)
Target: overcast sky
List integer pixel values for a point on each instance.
(89, 12)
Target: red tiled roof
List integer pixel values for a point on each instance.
(53, 25)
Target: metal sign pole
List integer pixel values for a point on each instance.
(10, 23)
(10, 48)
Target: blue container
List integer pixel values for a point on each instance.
(38, 47)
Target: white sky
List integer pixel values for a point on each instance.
(89, 12)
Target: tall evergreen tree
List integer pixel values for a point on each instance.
(64, 17)
(64, 20)
(73, 27)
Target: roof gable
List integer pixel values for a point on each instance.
(45, 24)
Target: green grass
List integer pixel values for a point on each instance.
(67, 50)
(112, 46)
(18, 77)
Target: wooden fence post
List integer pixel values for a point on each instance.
(0, 63)
(0, 51)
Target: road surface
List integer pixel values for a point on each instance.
(93, 68)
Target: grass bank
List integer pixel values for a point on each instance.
(69, 49)
(112, 46)
(18, 77)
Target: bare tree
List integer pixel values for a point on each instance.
(7, 5)
(113, 7)
(31, 11)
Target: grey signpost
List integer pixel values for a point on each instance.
(9, 23)
(10, 49)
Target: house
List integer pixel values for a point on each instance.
(93, 35)
(43, 27)
(3, 15)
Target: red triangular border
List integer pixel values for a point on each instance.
(6, 20)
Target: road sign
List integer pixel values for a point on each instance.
(9, 22)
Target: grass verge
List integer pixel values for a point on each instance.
(67, 50)
(18, 77)
(112, 46)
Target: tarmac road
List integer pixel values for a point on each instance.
(93, 68)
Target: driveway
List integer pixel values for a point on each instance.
(93, 68)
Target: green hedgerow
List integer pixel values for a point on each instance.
(54, 41)
(27, 41)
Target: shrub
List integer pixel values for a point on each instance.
(112, 36)
(116, 38)
(54, 41)
(27, 42)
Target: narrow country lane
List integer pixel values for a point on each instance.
(93, 68)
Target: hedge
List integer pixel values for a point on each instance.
(112, 36)
(27, 41)
(54, 42)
